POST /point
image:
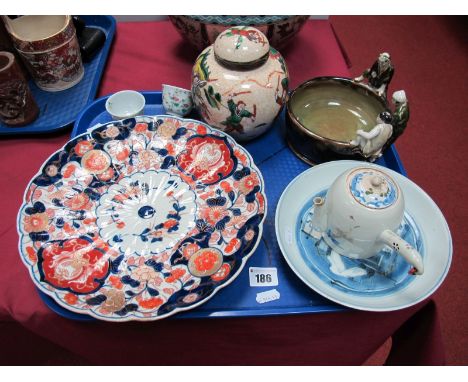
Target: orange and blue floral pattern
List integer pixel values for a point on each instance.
(141, 218)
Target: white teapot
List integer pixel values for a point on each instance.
(360, 214)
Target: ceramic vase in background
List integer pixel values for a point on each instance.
(202, 30)
(49, 48)
(7, 46)
(17, 105)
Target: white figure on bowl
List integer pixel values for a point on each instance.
(372, 142)
(401, 113)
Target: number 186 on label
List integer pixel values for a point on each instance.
(263, 277)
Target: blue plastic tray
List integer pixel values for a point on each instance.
(58, 110)
(279, 166)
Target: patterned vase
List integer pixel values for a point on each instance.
(17, 105)
(240, 83)
(49, 48)
(202, 30)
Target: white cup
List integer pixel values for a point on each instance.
(125, 104)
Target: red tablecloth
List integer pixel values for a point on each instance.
(146, 55)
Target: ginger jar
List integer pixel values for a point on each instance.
(240, 83)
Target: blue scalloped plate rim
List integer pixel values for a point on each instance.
(266, 150)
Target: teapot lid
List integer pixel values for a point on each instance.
(372, 188)
(241, 46)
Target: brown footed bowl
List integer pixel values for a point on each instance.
(323, 115)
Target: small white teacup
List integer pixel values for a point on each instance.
(177, 101)
(125, 104)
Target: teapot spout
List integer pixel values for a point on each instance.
(410, 254)
(319, 221)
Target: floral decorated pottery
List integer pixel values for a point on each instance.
(7, 45)
(17, 105)
(125, 104)
(360, 213)
(177, 101)
(331, 118)
(384, 281)
(202, 31)
(240, 83)
(141, 218)
(49, 47)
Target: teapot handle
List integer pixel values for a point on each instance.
(410, 254)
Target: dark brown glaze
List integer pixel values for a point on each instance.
(7, 45)
(313, 148)
(17, 105)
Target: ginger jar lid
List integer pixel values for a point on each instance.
(372, 188)
(241, 46)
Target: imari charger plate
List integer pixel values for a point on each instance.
(141, 218)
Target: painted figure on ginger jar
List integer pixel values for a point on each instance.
(240, 83)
